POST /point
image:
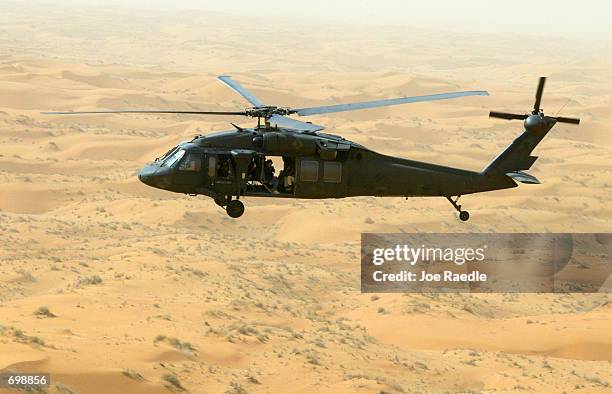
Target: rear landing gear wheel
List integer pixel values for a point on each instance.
(463, 215)
(235, 208)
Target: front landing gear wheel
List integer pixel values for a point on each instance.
(235, 208)
(464, 215)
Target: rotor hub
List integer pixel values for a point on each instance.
(267, 111)
(535, 123)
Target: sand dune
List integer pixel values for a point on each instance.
(151, 292)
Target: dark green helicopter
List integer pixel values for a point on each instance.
(228, 165)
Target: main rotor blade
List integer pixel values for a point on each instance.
(140, 111)
(235, 86)
(506, 115)
(294, 124)
(538, 97)
(562, 119)
(384, 103)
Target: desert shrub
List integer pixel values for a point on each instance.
(173, 381)
(44, 312)
(87, 280)
(130, 373)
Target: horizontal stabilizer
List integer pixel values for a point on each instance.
(523, 177)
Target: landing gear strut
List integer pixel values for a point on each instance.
(235, 208)
(463, 215)
(222, 201)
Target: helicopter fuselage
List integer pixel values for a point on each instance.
(232, 163)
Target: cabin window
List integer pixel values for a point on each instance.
(332, 172)
(309, 171)
(212, 166)
(190, 163)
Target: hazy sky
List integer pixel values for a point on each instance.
(575, 19)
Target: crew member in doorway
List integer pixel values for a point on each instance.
(252, 170)
(224, 169)
(288, 174)
(269, 172)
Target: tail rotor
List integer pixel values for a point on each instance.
(535, 119)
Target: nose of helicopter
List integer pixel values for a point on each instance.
(147, 175)
(155, 176)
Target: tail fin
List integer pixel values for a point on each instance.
(517, 156)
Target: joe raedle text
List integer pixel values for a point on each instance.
(424, 276)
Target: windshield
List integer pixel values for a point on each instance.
(161, 158)
(173, 158)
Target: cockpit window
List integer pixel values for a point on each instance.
(191, 162)
(174, 158)
(167, 154)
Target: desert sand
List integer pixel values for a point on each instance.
(115, 287)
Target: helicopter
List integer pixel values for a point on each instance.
(229, 165)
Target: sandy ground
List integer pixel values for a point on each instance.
(148, 291)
